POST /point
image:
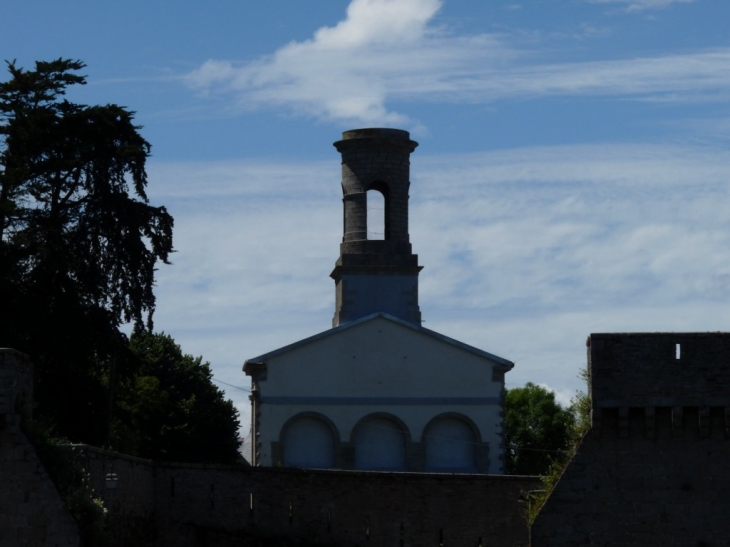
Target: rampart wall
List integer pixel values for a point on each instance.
(209, 505)
(654, 468)
(32, 513)
(126, 484)
(180, 505)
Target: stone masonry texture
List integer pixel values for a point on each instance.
(196, 505)
(129, 500)
(344, 508)
(32, 513)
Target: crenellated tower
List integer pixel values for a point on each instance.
(653, 469)
(377, 273)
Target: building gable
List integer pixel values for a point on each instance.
(371, 335)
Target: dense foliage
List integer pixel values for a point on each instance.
(79, 244)
(580, 407)
(537, 430)
(170, 410)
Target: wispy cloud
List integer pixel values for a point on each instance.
(695, 77)
(642, 5)
(391, 50)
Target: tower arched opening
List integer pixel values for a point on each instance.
(378, 211)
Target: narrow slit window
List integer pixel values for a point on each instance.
(677, 351)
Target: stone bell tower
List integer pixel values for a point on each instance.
(376, 275)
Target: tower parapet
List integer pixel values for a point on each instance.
(376, 275)
(643, 383)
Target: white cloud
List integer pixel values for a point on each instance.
(383, 21)
(562, 397)
(526, 251)
(390, 50)
(342, 72)
(643, 5)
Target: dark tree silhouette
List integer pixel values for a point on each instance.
(78, 241)
(170, 410)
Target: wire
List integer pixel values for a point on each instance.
(231, 385)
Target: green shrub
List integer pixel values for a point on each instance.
(580, 407)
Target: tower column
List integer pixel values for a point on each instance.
(356, 216)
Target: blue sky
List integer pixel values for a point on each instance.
(572, 174)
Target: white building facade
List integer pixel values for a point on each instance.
(378, 391)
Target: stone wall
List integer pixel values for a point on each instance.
(660, 370)
(207, 505)
(126, 484)
(654, 469)
(32, 512)
(180, 505)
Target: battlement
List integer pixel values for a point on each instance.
(679, 422)
(660, 384)
(659, 369)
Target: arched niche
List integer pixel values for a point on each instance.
(451, 441)
(308, 441)
(380, 443)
